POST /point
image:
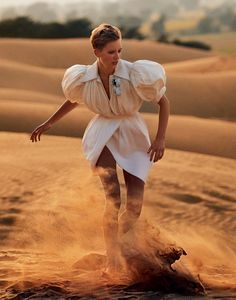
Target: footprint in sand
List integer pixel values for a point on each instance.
(218, 208)
(7, 220)
(220, 195)
(186, 198)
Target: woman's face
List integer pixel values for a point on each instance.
(110, 54)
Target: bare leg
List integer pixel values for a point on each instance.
(135, 191)
(108, 175)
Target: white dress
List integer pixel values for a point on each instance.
(117, 124)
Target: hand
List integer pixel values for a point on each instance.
(35, 135)
(157, 149)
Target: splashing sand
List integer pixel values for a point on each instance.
(51, 222)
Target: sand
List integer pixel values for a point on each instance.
(46, 226)
(52, 205)
(184, 132)
(198, 83)
(214, 64)
(21, 76)
(62, 53)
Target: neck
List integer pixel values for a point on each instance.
(103, 70)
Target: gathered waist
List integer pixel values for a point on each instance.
(126, 116)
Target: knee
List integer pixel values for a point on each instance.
(112, 193)
(113, 190)
(135, 187)
(111, 185)
(136, 194)
(110, 217)
(135, 199)
(113, 199)
(113, 203)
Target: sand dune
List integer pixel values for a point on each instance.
(203, 95)
(222, 42)
(21, 76)
(202, 87)
(184, 132)
(46, 53)
(189, 196)
(208, 95)
(193, 134)
(47, 187)
(163, 53)
(63, 53)
(207, 65)
(11, 94)
(25, 116)
(31, 91)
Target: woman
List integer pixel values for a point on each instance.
(115, 89)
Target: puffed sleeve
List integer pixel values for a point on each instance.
(71, 83)
(148, 79)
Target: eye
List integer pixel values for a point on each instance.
(113, 51)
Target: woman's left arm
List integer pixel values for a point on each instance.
(157, 147)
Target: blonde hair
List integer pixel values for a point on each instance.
(104, 34)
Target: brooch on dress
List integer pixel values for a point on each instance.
(116, 86)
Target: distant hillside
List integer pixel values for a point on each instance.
(224, 42)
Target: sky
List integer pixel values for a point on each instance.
(27, 2)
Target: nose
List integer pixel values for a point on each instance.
(117, 55)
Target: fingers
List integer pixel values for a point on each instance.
(35, 136)
(152, 155)
(32, 137)
(156, 155)
(39, 135)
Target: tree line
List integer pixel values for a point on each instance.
(24, 27)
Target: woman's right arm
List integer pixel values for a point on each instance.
(65, 108)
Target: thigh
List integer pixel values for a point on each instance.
(106, 167)
(132, 182)
(106, 160)
(135, 193)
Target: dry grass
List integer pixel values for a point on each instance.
(182, 24)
